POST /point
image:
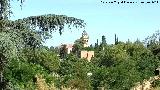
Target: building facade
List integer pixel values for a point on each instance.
(83, 53)
(87, 54)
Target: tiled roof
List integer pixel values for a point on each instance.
(69, 46)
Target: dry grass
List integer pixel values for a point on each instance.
(157, 88)
(42, 85)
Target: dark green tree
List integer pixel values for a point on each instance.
(103, 39)
(77, 47)
(152, 43)
(116, 40)
(120, 66)
(91, 46)
(73, 73)
(97, 42)
(63, 51)
(21, 71)
(22, 33)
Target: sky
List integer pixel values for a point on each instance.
(128, 21)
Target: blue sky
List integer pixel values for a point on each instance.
(128, 21)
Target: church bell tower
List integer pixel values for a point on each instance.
(85, 38)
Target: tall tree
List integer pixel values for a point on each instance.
(103, 39)
(153, 43)
(116, 39)
(63, 51)
(78, 45)
(22, 33)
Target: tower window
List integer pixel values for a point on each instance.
(87, 55)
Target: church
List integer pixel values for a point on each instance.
(86, 54)
(83, 53)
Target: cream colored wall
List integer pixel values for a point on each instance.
(85, 45)
(69, 50)
(90, 55)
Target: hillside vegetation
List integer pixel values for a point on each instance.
(25, 64)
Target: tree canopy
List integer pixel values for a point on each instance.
(26, 64)
(28, 34)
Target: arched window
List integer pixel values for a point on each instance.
(87, 55)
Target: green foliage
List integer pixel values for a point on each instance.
(116, 40)
(109, 56)
(103, 39)
(115, 67)
(156, 84)
(73, 72)
(153, 43)
(88, 48)
(21, 71)
(15, 36)
(63, 51)
(120, 66)
(50, 22)
(47, 59)
(78, 45)
(20, 74)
